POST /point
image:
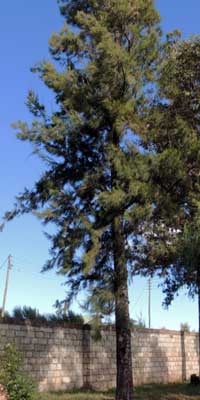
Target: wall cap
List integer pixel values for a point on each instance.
(109, 328)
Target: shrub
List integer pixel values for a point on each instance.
(185, 327)
(17, 384)
(27, 313)
(69, 317)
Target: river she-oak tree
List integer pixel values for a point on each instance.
(103, 184)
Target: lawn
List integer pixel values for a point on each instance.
(147, 392)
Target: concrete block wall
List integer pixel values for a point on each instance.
(67, 357)
(159, 356)
(164, 356)
(52, 356)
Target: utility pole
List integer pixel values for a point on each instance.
(149, 301)
(6, 285)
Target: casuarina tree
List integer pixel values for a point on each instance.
(184, 272)
(171, 248)
(95, 187)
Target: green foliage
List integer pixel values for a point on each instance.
(107, 54)
(27, 313)
(31, 314)
(138, 323)
(97, 176)
(16, 383)
(6, 314)
(185, 327)
(171, 246)
(67, 317)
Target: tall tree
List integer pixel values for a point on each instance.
(171, 248)
(96, 185)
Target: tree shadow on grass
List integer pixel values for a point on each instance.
(168, 392)
(146, 392)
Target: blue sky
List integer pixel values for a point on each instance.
(24, 31)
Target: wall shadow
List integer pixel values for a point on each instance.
(158, 362)
(150, 361)
(66, 357)
(183, 357)
(86, 350)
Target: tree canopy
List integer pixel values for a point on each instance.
(173, 134)
(107, 54)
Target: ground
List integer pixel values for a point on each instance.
(147, 392)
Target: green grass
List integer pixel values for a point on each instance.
(147, 392)
(168, 392)
(78, 395)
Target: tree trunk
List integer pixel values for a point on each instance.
(123, 331)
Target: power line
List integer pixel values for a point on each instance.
(25, 263)
(140, 296)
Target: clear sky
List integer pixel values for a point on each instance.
(25, 27)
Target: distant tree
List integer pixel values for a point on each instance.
(6, 314)
(69, 317)
(27, 313)
(138, 323)
(185, 327)
(141, 322)
(96, 185)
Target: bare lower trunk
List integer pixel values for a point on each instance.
(123, 331)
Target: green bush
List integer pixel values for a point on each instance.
(17, 384)
(27, 313)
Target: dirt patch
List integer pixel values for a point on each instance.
(3, 395)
